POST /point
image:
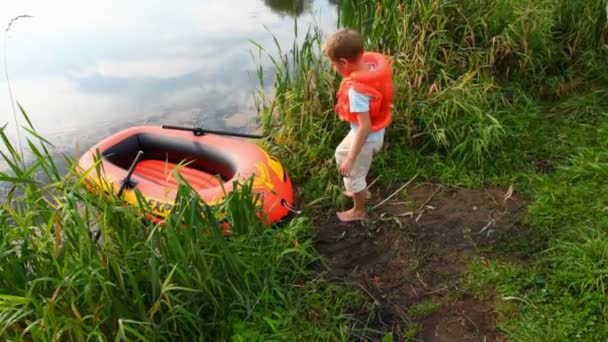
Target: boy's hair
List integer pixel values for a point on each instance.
(345, 43)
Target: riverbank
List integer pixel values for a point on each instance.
(488, 216)
(499, 113)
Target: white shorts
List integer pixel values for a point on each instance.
(357, 180)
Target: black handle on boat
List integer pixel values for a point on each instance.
(199, 131)
(127, 180)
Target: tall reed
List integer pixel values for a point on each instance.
(469, 77)
(454, 61)
(180, 280)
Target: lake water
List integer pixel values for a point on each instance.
(85, 69)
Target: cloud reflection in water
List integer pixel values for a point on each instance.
(85, 70)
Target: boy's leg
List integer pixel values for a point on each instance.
(356, 183)
(367, 193)
(357, 213)
(341, 153)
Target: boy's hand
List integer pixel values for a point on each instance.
(345, 167)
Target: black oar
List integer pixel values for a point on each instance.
(199, 131)
(126, 183)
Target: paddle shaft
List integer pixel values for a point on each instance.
(199, 131)
(124, 184)
(126, 180)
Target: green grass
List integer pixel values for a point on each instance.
(566, 287)
(555, 288)
(181, 280)
(470, 77)
(560, 292)
(487, 93)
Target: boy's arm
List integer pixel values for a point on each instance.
(365, 128)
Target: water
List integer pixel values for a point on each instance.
(86, 69)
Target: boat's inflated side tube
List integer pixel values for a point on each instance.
(228, 159)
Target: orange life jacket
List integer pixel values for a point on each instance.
(376, 83)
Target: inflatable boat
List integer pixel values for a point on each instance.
(143, 158)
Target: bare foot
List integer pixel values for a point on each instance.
(368, 194)
(350, 215)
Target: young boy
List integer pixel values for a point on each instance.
(364, 100)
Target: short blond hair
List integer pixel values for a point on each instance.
(345, 43)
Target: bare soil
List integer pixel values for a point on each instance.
(414, 249)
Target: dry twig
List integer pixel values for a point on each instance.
(395, 193)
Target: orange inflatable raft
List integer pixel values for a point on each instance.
(145, 157)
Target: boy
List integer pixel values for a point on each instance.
(364, 100)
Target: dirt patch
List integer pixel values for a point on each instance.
(466, 319)
(412, 251)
